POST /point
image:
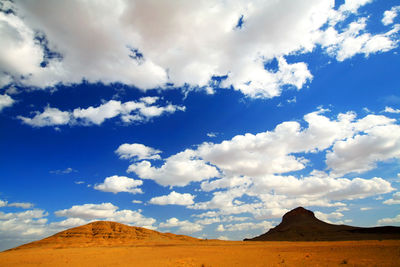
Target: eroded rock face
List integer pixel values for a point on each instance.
(301, 224)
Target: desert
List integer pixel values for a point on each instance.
(105, 243)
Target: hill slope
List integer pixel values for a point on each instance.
(104, 233)
(302, 225)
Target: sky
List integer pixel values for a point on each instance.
(205, 118)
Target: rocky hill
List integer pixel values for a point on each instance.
(301, 225)
(105, 233)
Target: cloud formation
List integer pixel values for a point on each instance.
(173, 198)
(6, 101)
(116, 184)
(129, 112)
(201, 42)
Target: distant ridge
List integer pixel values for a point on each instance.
(104, 233)
(301, 224)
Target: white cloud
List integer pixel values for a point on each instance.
(49, 117)
(355, 40)
(88, 211)
(365, 208)
(66, 171)
(185, 227)
(264, 225)
(3, 203)
(129, 112)
(5, 101)
(353, 5)
(221, 237)
(327, 217)
(137, 201)
(254, 165)
(108, 212)
(361, 152)
(137, 151)
(391, 110)
(173, 198)
(212, 134)
(116, 184)
(390, 15)
(201, 41)
(390, 221)
(394, 200)
(23, 205)
(178, 170)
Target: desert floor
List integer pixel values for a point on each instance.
(214, 253)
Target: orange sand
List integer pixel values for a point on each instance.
(214, 253)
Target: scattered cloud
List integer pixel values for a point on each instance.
(178, 170)
(6, 101)
(365, 208)
(108, 212)
(116, 184)
(184, 227)
(390, 221)
(390, 15)
(327, 217)
(394, 200)
(23, 205)
(129, 112)
(221, 237)
(128, 51)
(391, 110)
(66, 171)
(79, 182)
(264, 226)
(137, 201)
(212, 134)
(173, 198)
(137, 151)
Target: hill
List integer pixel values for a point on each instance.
(104, 233)
(301, 225)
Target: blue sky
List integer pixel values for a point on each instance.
(204, 118)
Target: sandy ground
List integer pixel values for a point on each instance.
(214, 253)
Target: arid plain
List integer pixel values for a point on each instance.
(213, 253)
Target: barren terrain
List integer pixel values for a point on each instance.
(214, 253)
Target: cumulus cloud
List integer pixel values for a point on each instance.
(178, 170)
(394, 200)
(361, 152)
(201, 42)
(264, 225)
(391, 110)
(184, 227)
(6, 101)
(116, 184)
(108, 212)
(137, 151)
(390, 221)
(129, 112)
(23, 205)
(173, 198)
(20, 227)
(390, 15)
(327, 217)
